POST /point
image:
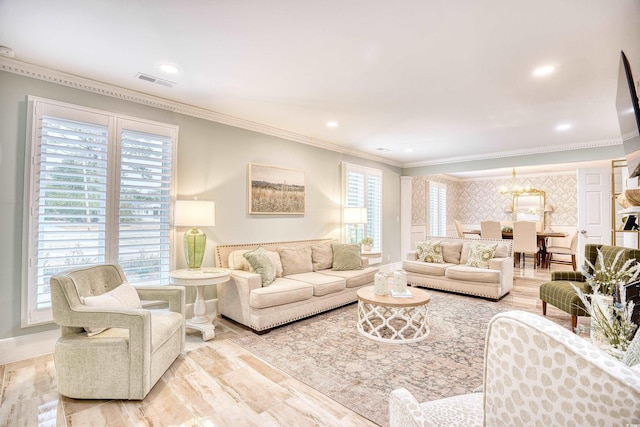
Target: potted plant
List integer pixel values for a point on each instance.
(611, 325)
(366, 243)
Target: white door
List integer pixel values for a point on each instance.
(594, 208)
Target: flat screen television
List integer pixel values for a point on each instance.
(629, 116)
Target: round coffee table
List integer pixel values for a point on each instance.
(393, 320)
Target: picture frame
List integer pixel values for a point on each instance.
(275, 190)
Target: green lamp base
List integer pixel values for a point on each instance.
(194, 243)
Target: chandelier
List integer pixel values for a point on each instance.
(517, 189)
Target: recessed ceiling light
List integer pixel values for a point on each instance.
(332, 124)
(563, 127)
(383, 149)
(408, 150)
(169, 68)
(544, 70)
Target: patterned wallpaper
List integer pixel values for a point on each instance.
(472, 201)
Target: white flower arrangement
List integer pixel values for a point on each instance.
(607, 277)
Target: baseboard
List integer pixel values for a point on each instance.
(27, 346)
(34, 345)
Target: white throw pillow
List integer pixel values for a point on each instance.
(123, 296)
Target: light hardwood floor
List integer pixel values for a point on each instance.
(215, 383)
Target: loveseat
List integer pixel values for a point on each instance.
(536, 373)
(453, 269)
(311, 276)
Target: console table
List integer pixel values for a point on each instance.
(201, 320)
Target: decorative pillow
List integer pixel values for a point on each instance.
(261, 264)
(430, 251)
(480, 254)
(295, 260)
(346, 257)
(321, 256)
(502, 251)
(122, 296)
(274, 257)
(632, 355)
(237, 261)
(451, 252)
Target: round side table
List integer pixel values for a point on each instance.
(201, 320)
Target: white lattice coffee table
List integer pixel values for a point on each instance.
(393, 320)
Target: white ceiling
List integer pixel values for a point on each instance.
(446, 79)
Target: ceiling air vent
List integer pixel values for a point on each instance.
(149, 78)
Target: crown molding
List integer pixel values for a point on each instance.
(517, 153)
(77, 82)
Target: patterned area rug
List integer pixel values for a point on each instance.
(327, 353)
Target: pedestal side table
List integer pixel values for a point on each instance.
(201, 320)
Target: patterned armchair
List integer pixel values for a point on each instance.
(113, 348)
(536, 373)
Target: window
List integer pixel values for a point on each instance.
(100, 190)
(437, 209)
(363, 189)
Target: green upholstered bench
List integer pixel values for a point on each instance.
(559, 293)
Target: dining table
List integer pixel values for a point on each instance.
(542, 241)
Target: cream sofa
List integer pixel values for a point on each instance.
(454, 275)
(536, 373)
(289, 297)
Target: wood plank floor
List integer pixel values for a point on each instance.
(214, 383)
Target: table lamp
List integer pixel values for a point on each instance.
(354, 216)
(194, 213)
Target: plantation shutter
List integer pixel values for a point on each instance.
(144, 206)
(70, 201)
(363, 189)
(100, 191)
(437, 209)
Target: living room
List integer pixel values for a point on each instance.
(214, 149)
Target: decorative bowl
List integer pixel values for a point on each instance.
(630, 197)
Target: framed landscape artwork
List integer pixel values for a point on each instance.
(276, 191)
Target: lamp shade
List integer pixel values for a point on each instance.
(548, 208)
(355, 215)
(193, 213)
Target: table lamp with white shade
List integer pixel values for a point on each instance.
(355, 216)
(194, 213)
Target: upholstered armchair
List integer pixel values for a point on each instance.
(106, 350)
(536, 373)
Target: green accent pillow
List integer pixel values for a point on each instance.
(632, 355)
(430, 251)
(480, 254)
(261, 264)
(346, 257)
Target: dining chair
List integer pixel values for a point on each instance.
(490, 230)
(564, 248)
(525, 241)
(459, 230)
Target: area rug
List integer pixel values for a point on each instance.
(327, 353)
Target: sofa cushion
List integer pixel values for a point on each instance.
(472, 274)
(480, 254)
(430, 268)
(281, 291)
(429, 251)
(295, 260)
(322, 284)
(451, 252)
(346, 257)
(354, 278)
(261, 264)
(274, 257)
(122, 296)
(237, 261)
(321, 256)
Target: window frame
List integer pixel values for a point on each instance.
(367, 172)
(38, 107)
(441, 221)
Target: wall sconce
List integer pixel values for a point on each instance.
(194, 213)
(357, 217)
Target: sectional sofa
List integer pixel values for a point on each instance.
(310, 278)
